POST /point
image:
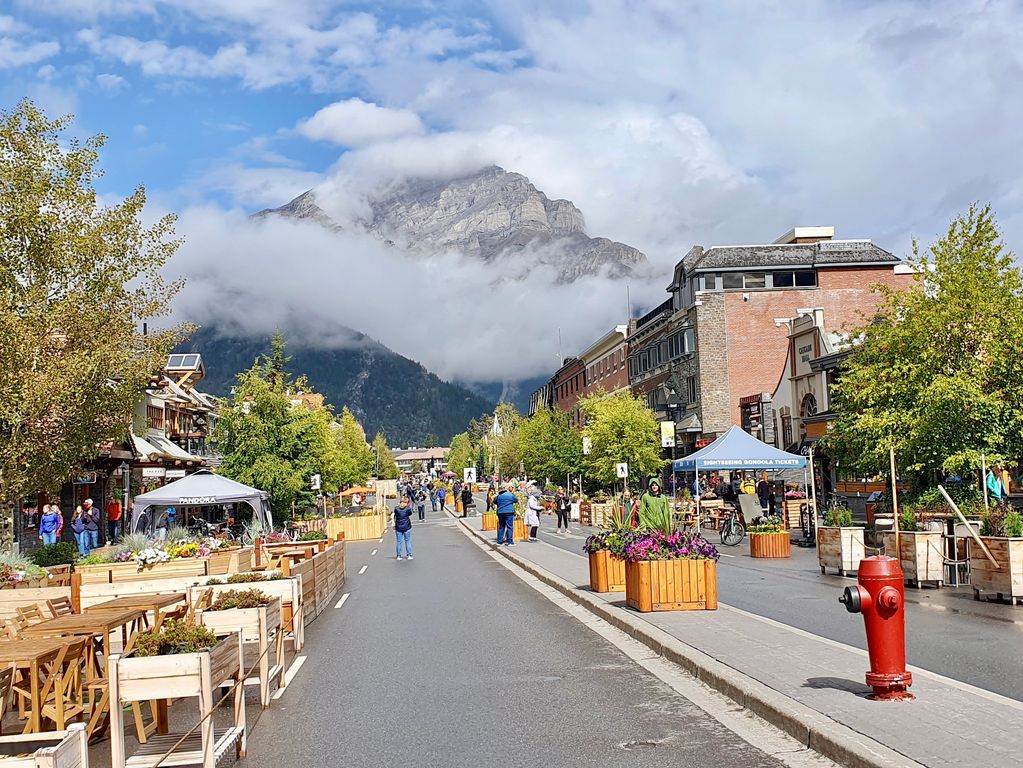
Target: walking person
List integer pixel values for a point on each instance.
(79, 532)
(466, 499)
(653, 507)
(442, 495)
(93, 521)
(433, 495)
(51, 523)
(114, 513)
(532, 517)
(629, 508)
(506, 502)
(421, 502)
(456, 497)
(562, 506)
(403, 528)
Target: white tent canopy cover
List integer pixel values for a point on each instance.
(201, 488)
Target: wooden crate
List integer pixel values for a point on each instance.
(1007, 579)
(840, 548)
(671, 585)
(790, 511)
(489, 521)
(54, 749)
(260, 628)
(607, 573)
(289, 590)
(519, 530)
(920, 554)
(774, 545)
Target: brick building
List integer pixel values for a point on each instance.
(606, 362)
(567, 387)
(649, 356)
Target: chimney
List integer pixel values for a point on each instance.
(800, 235)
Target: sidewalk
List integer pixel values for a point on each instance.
(809, 686)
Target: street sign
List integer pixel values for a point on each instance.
(153, 472)
(469, 475)
(587, 446)
(622, 470)
(175, 474)
(667, 434)
(314, 482)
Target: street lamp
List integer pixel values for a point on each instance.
(674, 406)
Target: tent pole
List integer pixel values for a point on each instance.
(696, 474)
(813, 489)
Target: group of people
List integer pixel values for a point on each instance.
(86, 522)
(717, 487)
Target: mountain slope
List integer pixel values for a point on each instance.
(386, 392)
(492, 214)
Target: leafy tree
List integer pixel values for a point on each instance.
(621, 428)
(506, 444)
(357, 458)
(417, 467)
(938, 373)
(462, 454)
(549, 447)
(387, 469)
(77, 279)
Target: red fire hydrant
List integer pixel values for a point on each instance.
(880, 597)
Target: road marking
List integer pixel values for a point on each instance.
(342, 600)
(363, 569)
(290, 675)
(381, 541)
(724, 555)
(372, 553)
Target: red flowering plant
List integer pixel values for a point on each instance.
(676, 545)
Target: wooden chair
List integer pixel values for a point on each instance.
(62, 694)
(60, 607)
(30, 614)
(6, 691)
(179, 613)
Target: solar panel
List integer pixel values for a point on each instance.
(190, 362)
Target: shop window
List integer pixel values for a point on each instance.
(806, 278)
(732, 280)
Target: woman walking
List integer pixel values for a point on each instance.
(421, 502)
(51, 523)
(78, 523)
(442, 494)
(531, 519)
(630, 509)
(653, 507)
(466, 498)
(562, 506)
(403, 528)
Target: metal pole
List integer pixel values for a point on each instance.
(895, 502)
(983, 477)
(813, 489)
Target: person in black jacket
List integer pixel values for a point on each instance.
(403, 527)
(466, 498)
(562, 506)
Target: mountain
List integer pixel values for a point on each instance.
(493, 214)
(386, 392)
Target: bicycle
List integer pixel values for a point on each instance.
(732, 530)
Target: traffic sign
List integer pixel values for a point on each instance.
(469, 475)
(314, 482)
(587, 446)
(622, 469)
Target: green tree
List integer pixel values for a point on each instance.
(506, 444)
(77, 279)
(430, 441)
(621, 428)
(938, 374)
(548, 445)
(417, 467)
(276, 363)
(462, 454)
(357, 457)
(387, 469)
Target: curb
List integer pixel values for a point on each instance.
(818, 732)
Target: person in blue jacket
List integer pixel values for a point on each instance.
(505, 503)
(442, 493)
(51, 523)
(403, 527)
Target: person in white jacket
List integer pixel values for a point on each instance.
(531, 518)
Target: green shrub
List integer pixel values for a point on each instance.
(177, 533)
(312, 536)
(768, 524)
(839, 516)
(993, 521)
(174, 637)
(249, 578)
(907, 518)
(61, 553)
(239, 598)
(213, 582)
(1013, 524)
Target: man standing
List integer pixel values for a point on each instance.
(113, 511)
(93, 519)
(506, 501)
(442, 495)
(456, 496)
(466, 498)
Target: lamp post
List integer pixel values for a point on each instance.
(674, 407)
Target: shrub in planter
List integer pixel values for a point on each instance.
(61, 553)
(239, 598)
(174, 637)
(248, 578)
(838, 517)
(606, 553)
(840, 543)
(312, 536)
(769, 538)
(1001, 521)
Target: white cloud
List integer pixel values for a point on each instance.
(353, 122)
(258, 187)
(109, 82)
(15, 53)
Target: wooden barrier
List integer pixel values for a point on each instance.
(289, 590)
(322, 576)
(223, 561)
(349, 527)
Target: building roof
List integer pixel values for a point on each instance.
(616, 335)
(823, 253)
(421, 454)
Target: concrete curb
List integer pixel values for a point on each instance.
(818, 732)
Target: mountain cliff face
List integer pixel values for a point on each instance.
(493, 215)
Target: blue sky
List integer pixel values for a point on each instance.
(668, 122)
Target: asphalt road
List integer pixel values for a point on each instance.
(450, 660)
(946, 630)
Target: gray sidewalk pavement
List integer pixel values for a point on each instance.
(820, 681)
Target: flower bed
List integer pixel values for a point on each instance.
(769, 539)
(605, 551)
(674, 571)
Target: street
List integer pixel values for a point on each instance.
(450, 660)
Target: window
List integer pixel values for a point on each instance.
(691, 388)
(783, 280)
(806, 278)
(690, 340)
(754, 280)
(732, 280)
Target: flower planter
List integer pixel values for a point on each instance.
(54, 749)
(770, 544)
(520, 532)
(920, 553)
(841, 548)
(489, 521)
(671, 585)
(790, 511)
(607, 573)
(260, 629)
(110, 573)
(195, 675)
(289, 590)
(349, 527)
(1007, 579)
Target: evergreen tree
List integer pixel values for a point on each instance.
(386, 467)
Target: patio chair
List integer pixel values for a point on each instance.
(6, 691)
(62, 694)
(60, 607)
(30, 614)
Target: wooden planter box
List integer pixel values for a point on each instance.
(489, 521)
(1007, 579)
(323, 575)
(109, 573)
(55, 749)
(260, 629)
(289, 591)
(607, 573)
(920, 553)
(195, 675)
(671, 585)
(790, 511)
(519, 530)
(770, 544)
(349, 527)
(234, 560)
(840, 548)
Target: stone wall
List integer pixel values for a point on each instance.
(712, 349)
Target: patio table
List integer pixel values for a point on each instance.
(99, 624)
(146, 603)
(32, 655)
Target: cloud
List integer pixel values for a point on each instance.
(109, 82)
(261, 187)
(16, 53)
(354, 122)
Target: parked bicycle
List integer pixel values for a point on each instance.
(732, 530)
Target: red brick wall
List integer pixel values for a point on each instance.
(757, 347)
(566, 401)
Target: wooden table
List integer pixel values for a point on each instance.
(98, 624)
(144, 603)
(32, 655)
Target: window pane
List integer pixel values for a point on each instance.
(783, 280)
(732, 280)
(755, 280)
(690, 341)
(806, 278)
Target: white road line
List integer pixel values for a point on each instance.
(723, 554)
(342, 600)
(381, 541)
(373, 553)
(363, 569)
(290, 675)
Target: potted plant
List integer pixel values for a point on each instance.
(1002, 533)
(792, 506)
(606, 553)
(920, 552)
(840, 544)
(768, 537)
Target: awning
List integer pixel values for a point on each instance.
(201, 488)
(144, 449)
(690, 423)
(737, 449)
(170, 449)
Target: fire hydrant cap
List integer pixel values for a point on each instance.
(880, 567)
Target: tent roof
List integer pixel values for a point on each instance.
(737, 449)
(211, 488)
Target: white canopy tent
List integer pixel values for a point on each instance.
(200, 489)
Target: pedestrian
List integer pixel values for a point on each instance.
(562, 506)
(466, 498)
(442, 498)
(653, 507)
(93, 521)
(629, 509)
(532, 517)
(51, 523)
(421, 502)
(114, 513)
(456, 497)
(403, 527)
(994, 485)
(764, 492)
(433, 495)
(79, 532)
(506, 502)
(747, 485)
